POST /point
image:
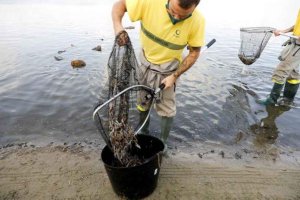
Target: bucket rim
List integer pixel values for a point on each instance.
(132, 167)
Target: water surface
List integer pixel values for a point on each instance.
(44, 100)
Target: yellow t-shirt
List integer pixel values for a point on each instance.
(296, 31)
(155, 19)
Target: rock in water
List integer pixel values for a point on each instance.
(97, 48)
(78, 63)
(58, 58)
(60, 52)
(129, 27)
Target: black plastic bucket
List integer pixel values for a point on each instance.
(139, 181)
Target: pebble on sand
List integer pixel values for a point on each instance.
(78, 63)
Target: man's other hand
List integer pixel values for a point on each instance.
(169, 81)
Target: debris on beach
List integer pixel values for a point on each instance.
(239, 136)
(237, 155)
(222, 154)
(201, 155)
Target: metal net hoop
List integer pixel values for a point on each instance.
(253, 42)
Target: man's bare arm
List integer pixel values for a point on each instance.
(118, 11)
(277, 32)
(188, 61)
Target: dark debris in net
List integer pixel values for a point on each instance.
(122, 67)
(253, 42)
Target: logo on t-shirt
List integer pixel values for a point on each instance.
(177, 33)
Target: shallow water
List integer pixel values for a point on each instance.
(43, 100)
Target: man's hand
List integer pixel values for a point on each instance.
(277, 32)
(184, 66)
(169, 81)
(122, 38)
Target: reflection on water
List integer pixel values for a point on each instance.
(267, 131)
(43, 99)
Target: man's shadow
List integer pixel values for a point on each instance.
(266, 130)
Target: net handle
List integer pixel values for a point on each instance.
(290, 36)
(208, 45)
(287, 35)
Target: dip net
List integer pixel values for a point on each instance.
(253, 42)
(118, 117)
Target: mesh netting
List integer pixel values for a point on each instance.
(122, 65)
(253, 42)
(118, 117)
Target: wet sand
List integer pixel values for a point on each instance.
(76, 172)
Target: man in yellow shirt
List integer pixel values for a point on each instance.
(287, 72)
(167, 27)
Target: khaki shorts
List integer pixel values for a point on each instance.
(288, 68)
(151, 75)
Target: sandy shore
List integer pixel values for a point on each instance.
(76, 172)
